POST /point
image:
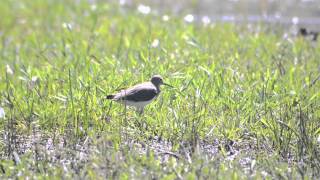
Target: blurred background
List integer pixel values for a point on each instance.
(284, 12)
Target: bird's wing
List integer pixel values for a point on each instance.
(141, 92)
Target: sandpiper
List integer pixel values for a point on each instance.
(140, 95)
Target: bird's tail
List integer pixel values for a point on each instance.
(110, 96)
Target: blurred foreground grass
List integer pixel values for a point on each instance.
(246, 102)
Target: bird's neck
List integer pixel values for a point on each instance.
(158, 89)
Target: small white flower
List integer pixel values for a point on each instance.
(155, 43)
(172, 56)
(93, 7)
(165, 18)
(295, 62)
(122, 2)
(189, 18)
(206, 20)
(2, 113)
(67, 26)
(34, 79)
(292, 92)
(34, 82)
(9, 70)
(144, 9)
(295, 20)
(68, 46)
(285, 36)
(264, 173)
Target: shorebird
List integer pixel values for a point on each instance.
(308, 34)
(140, 95)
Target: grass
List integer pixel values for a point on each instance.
(245, 102)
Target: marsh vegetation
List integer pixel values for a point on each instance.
(245, 102)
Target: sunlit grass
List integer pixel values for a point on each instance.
(245, 101)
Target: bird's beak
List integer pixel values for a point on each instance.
(167, 85)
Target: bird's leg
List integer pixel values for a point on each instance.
(140, 110)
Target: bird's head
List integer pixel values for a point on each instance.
(303, 31)
(157, 80)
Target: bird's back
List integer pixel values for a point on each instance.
(140, 92)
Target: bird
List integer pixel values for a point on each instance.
(141, 94)
(311, 34)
